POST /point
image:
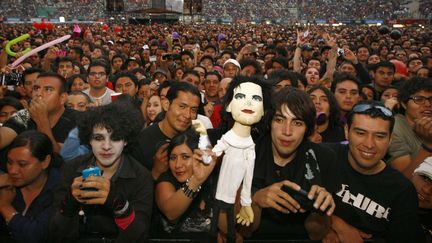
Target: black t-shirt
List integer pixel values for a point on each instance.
(149, 141)
(333, 134)
(313, 165)
(194, 219)
(425, 216)
(384, 204)
(22, 121)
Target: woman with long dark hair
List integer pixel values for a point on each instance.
(183, 194)
(328, 123)
(27, 190)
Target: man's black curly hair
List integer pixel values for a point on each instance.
(120, 118)
(413, 86)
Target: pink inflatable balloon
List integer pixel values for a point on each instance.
(40, 48)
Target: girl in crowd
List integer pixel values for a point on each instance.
(311, 73)
(369, 92)
(178, 73)
(153, 108)
(328, 125)
(115, 205)
(27, 191)
(312, 76)
(77, 82)
(85, 61)
(389, 98)
(184, 193)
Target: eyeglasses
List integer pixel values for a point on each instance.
(94, 74)
(420, 100)
(365, 107)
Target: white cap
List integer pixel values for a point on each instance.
(425, 168)
(232, 61)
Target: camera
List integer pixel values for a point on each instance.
(13, 78)
(301, 197)
(167, 57)
(152, 58)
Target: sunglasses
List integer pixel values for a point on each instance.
(365, 107)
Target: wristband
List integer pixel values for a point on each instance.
(189, 192)
(123, 210)
(425, 147)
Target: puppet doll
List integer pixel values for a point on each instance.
(246, 105)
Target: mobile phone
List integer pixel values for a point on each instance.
(152, 58)
(92, 171)
(301, 197)
(340, 52)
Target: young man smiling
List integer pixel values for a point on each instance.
(373, 199)
(182, 108)
(286, 159)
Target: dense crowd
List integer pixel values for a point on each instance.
(230, 9)
(82, 10)
(350, 9)
(129, 133)
(25, 9)
(425, 9)
(248, 10)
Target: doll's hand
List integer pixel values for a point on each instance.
(245, 216)
(199, 127)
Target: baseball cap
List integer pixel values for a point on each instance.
(161, 71)
(232, 61)
(133, 59)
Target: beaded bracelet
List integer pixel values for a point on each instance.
(188, 191)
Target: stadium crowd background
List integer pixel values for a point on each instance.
(229, 9)
(158, 52)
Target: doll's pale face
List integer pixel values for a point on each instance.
(247, 107)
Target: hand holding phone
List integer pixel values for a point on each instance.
(92, 171)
